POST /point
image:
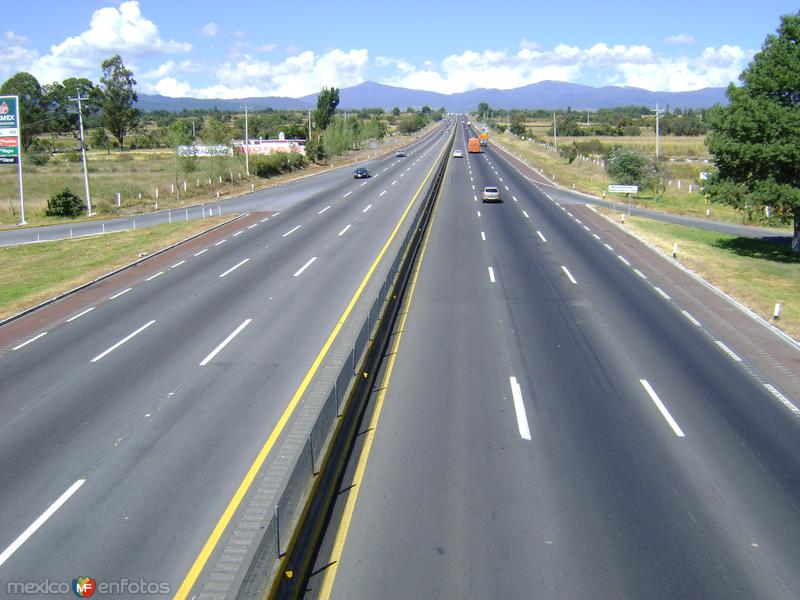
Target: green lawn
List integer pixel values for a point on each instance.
(32, 273)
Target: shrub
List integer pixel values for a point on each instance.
(73, 156)
(64, 204)
(268, 165)
(37, 154)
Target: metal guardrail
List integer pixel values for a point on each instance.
(284, 558)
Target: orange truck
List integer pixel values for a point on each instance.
(473, 145)
(485, 139)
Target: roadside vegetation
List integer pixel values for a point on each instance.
(758, 273)
(133, 157)
(33, 273)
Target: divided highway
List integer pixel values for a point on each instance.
(126, 426)
(550, 425)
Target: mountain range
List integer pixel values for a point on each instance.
(549, 95)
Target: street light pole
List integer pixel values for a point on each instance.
(246, 144)
(658, 112)
(83, 152)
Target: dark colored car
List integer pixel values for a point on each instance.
(360, 173)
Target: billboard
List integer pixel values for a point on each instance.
(9, 130)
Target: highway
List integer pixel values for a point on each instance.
(550, 425)
(127, 424)
(274, 198)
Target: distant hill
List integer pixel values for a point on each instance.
(549, 95)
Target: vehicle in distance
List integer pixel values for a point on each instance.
(484, 139)
(458, 154)
(473, 145)
(491, 194)
(360, 173)
(401, 154)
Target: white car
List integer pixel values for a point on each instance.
(458, 154)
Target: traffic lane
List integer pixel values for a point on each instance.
(289, 223)
(741, 441)
(428, 479)
(462, 481)
(286, 353)
(275, 198)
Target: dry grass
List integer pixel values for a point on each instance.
(32, 273)
(757, 273)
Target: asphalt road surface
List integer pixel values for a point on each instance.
(126, 428)
(553, 427)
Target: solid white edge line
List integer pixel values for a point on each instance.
(304, 267)
(234, 267)
(80, 314)
(204, 250)
(342, 232)
(728, 351)
(292, 230)
(324, 209)
(661, 293)
(661, 408)
(541, 237)
(33, 527)
(568, 274)
(519, 408)
(154, 276)
(30, 341)
(122, 341)
(118, 294)
(491, 275)
(225, 342)
(694, 321)
(783, 400)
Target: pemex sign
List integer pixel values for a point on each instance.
(9, 130)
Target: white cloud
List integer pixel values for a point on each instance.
(170, 67)
(15, 57)
(122, 30)
(527, 45)
(209, 30)
(680, 38)
(635, 65)
(298, 75)
(398, 63)
(267, 48)
(15, 38)
(169, 86)
(713, 68)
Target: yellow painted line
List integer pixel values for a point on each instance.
(347, 514)
(244, 486)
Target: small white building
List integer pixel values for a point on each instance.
(269, 146)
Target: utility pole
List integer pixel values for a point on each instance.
(193, 134)
(246, 144)
(555, 132)
(83, 151)
(658, 112)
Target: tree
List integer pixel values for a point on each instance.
(396, 111)
(118, 98)
(99, 139)
(483, 108)
(425, 110)
(518, 124)
(628, 166)
(32, 107)
(327, 101)
(755, 140)
(180, 134)
(64, 112)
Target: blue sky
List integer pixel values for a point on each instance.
(248, 48)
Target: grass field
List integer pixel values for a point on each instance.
(32, 273)
(756, 273)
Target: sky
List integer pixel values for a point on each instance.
(247, 48)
